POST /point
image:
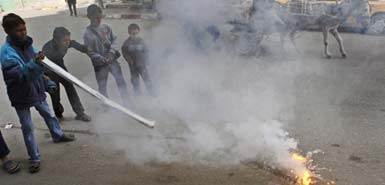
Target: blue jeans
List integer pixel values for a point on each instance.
(114, 68)
(27, 127)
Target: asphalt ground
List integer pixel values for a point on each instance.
(338, 108)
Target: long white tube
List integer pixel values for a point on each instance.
(61, 72)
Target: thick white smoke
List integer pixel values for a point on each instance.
(212, 107)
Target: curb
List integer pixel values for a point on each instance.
(144, 16)
(130, 6)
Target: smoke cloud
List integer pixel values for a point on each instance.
(213, 107)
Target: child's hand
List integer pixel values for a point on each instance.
(83, 48)
(39, 57)
(130, 61)
(52, 90)
(105, 60)
(51, 86)
(110, 57)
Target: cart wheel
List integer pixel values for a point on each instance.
(247, 44)
(377, 24)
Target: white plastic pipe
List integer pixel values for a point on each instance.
(61, 72)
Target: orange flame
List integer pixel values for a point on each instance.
(299, 157)
(308, 177)
(305, 179)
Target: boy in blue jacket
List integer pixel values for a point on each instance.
(26, 86)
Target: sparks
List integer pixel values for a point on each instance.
(299, 157)
(306, 179)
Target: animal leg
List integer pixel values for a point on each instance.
(326, 49)
(338, 38)
(282, 36)
(292, 39)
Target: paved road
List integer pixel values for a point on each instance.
(337, 107)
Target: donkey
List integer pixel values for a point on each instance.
(328, 22)
(290, 24)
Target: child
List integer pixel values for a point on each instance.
(135, 52)
(23, 76)
(103, 51)
(55, 50)
(8, 165)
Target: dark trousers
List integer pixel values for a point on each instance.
(114, 68)
(4, 151)
(72, 7)
(72, 95)
(136, 71)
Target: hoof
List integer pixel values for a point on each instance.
(343, 55)
(328, 56)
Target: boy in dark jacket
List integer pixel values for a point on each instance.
(104, 52)
(135, 52)
(26, 86)
(55, 50)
